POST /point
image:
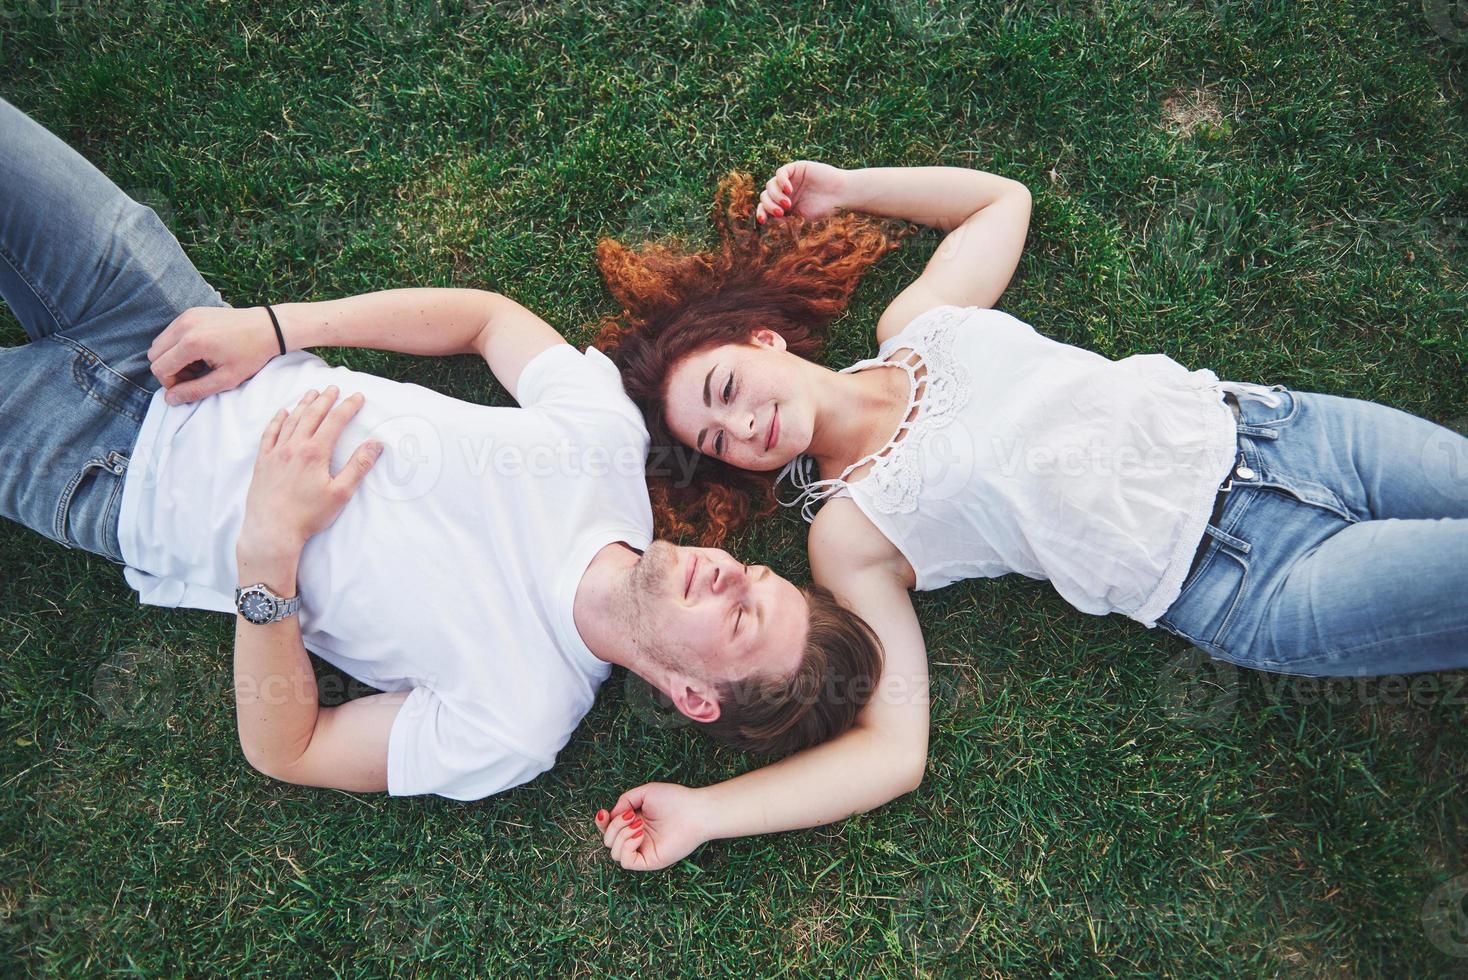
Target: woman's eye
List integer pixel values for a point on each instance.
(719, 444)
(728, 387)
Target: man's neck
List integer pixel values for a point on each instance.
(599, 610)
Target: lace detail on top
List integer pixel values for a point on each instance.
(896, 477)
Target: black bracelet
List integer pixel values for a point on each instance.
(276, 323)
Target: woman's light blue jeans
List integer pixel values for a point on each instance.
(1342, 550)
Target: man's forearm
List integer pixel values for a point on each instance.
(275, 687)
(425, 321)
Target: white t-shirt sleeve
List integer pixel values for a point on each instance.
(562, 378)
(432, 750)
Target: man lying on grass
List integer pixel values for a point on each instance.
(483, 567)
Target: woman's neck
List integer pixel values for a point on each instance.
(856, 414)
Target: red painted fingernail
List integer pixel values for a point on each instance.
(628, 815)
(635, 836)
(601, 815)
(635, 824)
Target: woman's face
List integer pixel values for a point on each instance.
(746, 404)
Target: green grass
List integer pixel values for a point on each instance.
(1074, 819)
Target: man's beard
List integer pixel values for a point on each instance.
(648, 585)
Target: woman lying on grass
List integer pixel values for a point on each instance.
(1279, 530)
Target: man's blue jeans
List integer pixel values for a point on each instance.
(93, 277)
(1342, 551)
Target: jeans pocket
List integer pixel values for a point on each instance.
(88, 510)
(1208, 606)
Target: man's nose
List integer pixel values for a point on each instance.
(729, 574)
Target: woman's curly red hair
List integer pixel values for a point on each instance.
(793, 277)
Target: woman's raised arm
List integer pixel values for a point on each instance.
(985, 215)
(881, 758)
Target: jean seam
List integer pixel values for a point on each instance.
(114, 507)
(82, 350)
(1367, 646)
(63, 505)
(1233, 607)
(15, 266)
(1255, 459)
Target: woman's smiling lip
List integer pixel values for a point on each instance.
(774, 429)
(688, 582)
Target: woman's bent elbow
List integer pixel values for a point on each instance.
(913, 768)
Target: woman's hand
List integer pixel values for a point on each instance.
(293, 494)
(232, 345)
(806, 188)
(654, 826)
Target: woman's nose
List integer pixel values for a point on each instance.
(739, 424)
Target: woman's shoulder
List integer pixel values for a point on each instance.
(940, 322)
(842, 536)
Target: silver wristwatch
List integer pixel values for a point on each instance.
(261, 606)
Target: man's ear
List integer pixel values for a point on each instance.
(695, 701)
(766, 337)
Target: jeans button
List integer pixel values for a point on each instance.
(1244, 473)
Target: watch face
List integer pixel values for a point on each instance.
(257, 606)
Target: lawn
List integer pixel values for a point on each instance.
(1275, 190)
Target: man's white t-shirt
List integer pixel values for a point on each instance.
(452, 570)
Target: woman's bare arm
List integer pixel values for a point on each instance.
(985, 215)
(878, 760)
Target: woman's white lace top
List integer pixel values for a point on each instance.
(1022, 454)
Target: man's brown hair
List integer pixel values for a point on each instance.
(835, 679)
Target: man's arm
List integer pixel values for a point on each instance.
(236, 343)
(882, 757)
(293, 495)
(284, 732)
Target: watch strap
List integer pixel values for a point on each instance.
(288, 607)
